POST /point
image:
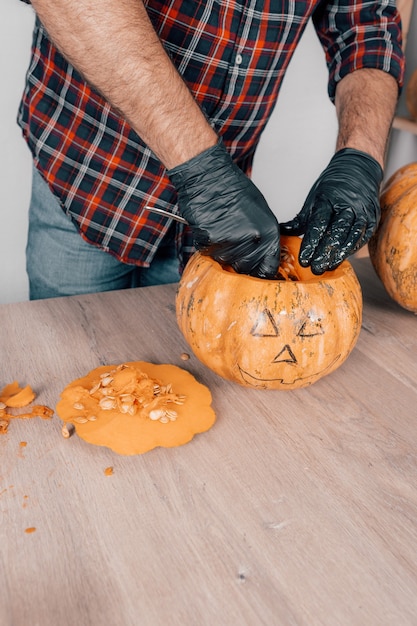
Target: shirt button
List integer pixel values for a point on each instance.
(239, 59)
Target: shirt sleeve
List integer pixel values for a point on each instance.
(358, 35)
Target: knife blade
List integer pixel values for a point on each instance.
(173, 216)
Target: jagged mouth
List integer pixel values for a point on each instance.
(255, 381)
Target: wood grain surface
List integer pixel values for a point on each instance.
(296, 508)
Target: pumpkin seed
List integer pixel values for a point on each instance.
(127, 397)
(67, 430)
(156, 414)
(4, 424)
(144, 393)
(107, 403)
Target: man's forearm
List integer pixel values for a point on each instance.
(114, 46)
(365, 104)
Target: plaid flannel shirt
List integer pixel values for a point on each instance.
(233, 55)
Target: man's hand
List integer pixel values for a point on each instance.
(230, 219)
(341, 211)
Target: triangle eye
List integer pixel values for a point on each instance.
(311, 328)
(265, 325)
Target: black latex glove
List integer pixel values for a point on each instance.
(229, 217)
(341, 211)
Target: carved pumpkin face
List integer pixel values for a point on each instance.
(271, 334)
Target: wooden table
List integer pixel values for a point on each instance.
(296, 508)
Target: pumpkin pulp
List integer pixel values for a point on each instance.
(136, 431)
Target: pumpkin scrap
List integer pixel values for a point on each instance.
(15, 397)
(39, 410)
(137, 406)
(270, 334)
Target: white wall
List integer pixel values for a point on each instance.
(16, 23)
(297, 144)
(301, 135)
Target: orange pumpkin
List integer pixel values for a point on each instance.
(269, 334)
(392, 248)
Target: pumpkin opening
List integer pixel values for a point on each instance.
(289, 269)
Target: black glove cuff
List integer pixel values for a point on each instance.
(371, 165)
(200, 164)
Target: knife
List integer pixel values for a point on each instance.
(173, 216)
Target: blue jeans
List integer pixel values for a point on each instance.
(60, 262)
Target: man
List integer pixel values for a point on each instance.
(162, 104)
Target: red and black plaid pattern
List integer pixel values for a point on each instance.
(233, 56)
